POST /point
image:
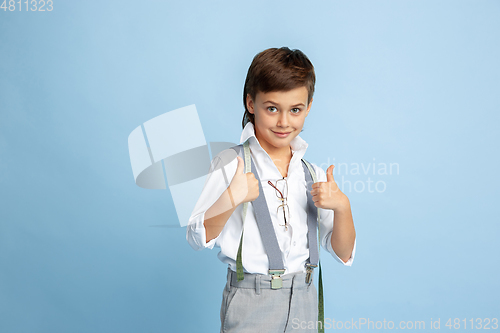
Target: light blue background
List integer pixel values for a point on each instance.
(84, 249)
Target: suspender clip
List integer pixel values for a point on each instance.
(276, 281)
(309, 269)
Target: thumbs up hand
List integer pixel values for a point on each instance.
(327, 194)
(244, 187)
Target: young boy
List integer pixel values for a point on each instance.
(277, 97)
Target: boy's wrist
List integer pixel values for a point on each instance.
(236, 196)
(344, 206)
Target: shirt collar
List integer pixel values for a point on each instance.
(297, 144)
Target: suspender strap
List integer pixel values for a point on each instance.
(266, 230)
(321, 307)
(312, 218)
(247, 159)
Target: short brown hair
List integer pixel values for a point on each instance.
(277, 70)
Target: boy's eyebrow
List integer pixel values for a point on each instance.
(278, 103)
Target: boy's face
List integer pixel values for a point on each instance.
(279, 112)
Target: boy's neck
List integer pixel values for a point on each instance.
(278, 154)
(281, 159)
(281, 155)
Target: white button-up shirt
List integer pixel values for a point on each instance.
(292, 242)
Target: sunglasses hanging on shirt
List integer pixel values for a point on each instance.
(283, 211)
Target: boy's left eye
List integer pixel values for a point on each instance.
(297, 110)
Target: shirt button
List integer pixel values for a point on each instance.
(294, 243)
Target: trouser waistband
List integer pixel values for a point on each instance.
(260, 281)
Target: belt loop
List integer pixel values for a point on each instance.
(257, 284)
(228, 283)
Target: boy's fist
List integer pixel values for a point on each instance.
(327, 194)
(244, 187)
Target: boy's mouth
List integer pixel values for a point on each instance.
(281, 134)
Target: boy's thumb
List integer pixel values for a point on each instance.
(329, 173)
(241, 165)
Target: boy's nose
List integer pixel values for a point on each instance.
(283, 119)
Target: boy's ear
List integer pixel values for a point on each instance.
(250, 104)
(309, 106)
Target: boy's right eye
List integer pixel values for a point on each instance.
(271, 108)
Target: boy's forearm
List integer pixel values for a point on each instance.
(217, 215)
(343, 234)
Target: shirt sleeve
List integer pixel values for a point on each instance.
(326, 225)
(222, 170)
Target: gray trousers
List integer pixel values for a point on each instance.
(252, 306)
